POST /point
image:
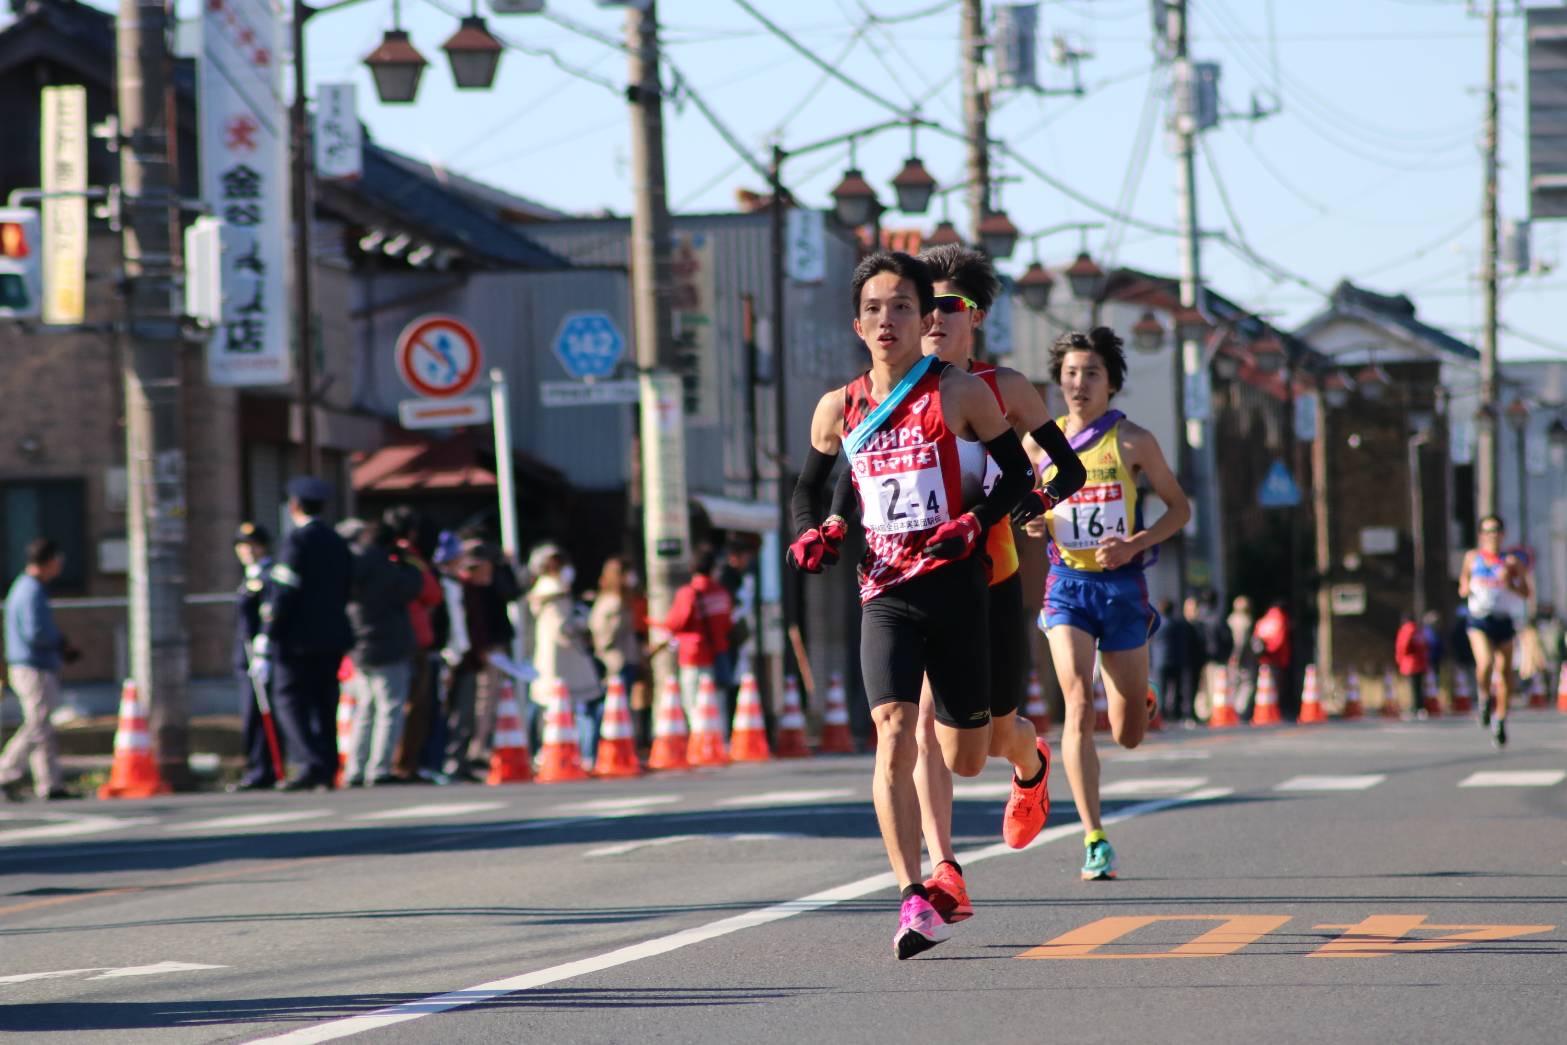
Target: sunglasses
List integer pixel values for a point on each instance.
(1490, 529)
(954, 303)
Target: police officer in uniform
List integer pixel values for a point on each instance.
(252, 546)
(305, 633)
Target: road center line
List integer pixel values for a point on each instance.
(484, 992)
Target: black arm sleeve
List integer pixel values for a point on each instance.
(844, 502)
(1070, 473)
(1015, 480)
(808, 489)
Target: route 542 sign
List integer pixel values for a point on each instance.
(588, 344)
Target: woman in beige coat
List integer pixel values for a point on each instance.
(559, 650)
(614, 633)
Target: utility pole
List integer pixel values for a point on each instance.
(666, 536)
(976, 115)
(304, 317)
(1487, 455)
(1188, 361)
(154, 455)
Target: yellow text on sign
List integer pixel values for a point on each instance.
(1374, 936)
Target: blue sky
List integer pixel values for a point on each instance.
(1371, 169)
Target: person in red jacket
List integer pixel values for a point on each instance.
(1412, 657)
(699, 622)
(404, 524)
(1270, 639)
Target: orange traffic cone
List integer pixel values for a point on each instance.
(1035, 710)
(347, 706)
(1390, 702)
(706, 747)
(559, 757)
(1266, 711)
(1537, 691)
(1353, 708)
(617, 750)
(1310, 699)
(1220, 714)
(835, 721)
(1431, 697)
(1561, 691)
(1101, 706)
(748, 737)
(509, 759)
(134, 773)
(1463, 690)
(791, 724)
(669, 730)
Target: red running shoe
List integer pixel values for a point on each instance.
(1028, 808)
(948, 894)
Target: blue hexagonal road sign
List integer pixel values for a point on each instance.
(588, 344)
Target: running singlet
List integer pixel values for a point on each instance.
(1106, 506)
(909, 479)
(1489, 593)
(999, 543)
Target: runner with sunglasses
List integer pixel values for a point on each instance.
(1495, 587)
(917, 433)
(1096, 597)
(966, 286)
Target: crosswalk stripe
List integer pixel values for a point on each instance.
(1331, 783)
(1172, 785)
(253, 820)
(768, 798)
(615, 805)
(71, 827)
(985, 789)
(432, 809)
(1515, 778)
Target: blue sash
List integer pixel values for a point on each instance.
(856, 440)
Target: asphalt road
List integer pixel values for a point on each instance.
(1363, 882)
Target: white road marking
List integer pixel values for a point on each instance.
(622, 848)
(484, 992)
(1515, 778)
(69, 826)
(616, 805)
(988, 789)
(1159, 754)
(1331, 783)
(254, 820)
(110, 972)
(1166, 785)
(772, 798)
(432, 809)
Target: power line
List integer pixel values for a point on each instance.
(1420, 252)
(1143, 143)
(817, 61)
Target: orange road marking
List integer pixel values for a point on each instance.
(1379, 935)
(1235, 932)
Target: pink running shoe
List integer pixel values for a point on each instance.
(919, 928)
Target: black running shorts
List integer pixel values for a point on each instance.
(933, 626)
(1009, 653)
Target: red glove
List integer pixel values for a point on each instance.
(955, 539)
(1034, 504)
(817, 548)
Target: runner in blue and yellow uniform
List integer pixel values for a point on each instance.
(1096, 598)
(1495, 588)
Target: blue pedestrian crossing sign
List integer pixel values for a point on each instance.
(1278, 490)
(588, 344)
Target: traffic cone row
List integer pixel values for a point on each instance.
(1390, 702)
(509, 759)
(1310, 699)
(560, 759)
(616, 755)
(1035, 710)
(1431, 697)
(1353, 708)
(669, 731)
(347, 705)
(1463, 690)
(706, 747)
(1561, 691)
(791, 723)
(1537, 691)
(1220, 714)
(835, 722)
(1266, 710)
(134, 773)
(748, 731)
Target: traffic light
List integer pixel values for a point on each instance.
(21, 263)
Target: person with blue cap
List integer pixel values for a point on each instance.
(305, 634)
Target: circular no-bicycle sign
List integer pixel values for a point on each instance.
(438, 356)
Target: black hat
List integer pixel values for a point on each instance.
(309, 488)
(250, 533)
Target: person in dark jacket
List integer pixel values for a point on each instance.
(1177, 656)
(383, 587)
(252, 546)
(305, 632)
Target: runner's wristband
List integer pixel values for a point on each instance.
(1070, 473)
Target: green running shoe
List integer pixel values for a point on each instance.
(1098, 861)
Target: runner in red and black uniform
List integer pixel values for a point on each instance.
(917, 433)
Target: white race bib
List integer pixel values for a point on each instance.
(1089, 516)
(901, 490)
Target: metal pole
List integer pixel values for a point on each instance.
(154, 418)
(1189, 359)
(788, 581)
(650, 293)
(1289, 698)
(506, 490)
(1519, 434)
(1321, 502)
(976, 110)
(1487, 451)
(299, 141)
(754, 451)
(1417, 522)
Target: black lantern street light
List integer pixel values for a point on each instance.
(1036, 283)
(474, 53)
(1148, 333)
(1267, 354)
(397, 66)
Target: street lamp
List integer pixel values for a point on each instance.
(945, 233)
(1148, 333)
(1034, 286)
(1226, 364)
(1267, 354)
(474, 53)
(1335, 389)
(1190, 325)
(997, 234)
(1085, 277)
(913, 186)
(854, 201)
(396, 66)
(1373, 382)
